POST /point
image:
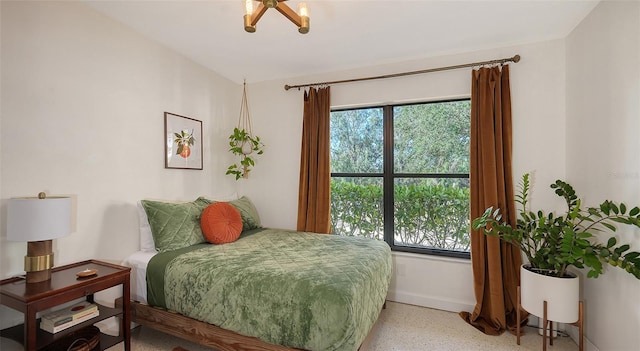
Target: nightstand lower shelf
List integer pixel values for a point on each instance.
(45, 338)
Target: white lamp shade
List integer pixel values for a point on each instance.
(33, 219)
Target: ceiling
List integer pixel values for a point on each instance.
(344, 34)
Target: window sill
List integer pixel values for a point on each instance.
(431, 257)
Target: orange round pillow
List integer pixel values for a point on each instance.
(221, 223)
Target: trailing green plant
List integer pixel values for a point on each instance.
(554, 243)
(243, 144)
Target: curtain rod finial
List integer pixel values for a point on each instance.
(516, 58)
(287, 87)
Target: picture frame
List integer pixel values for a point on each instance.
(182, 142)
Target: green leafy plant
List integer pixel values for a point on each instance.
(552, 243)
(243, 144)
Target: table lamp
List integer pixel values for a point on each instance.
(38, 220)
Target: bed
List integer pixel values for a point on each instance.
(269, 289)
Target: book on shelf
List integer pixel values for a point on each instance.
(69, 313)
(51, 328)
(69, 316)
(68, 319)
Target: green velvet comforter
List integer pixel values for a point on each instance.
(301, 290)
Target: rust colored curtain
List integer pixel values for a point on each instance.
(495, 263)
(315, 176)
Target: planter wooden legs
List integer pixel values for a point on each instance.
(518, 309)
(548, 325)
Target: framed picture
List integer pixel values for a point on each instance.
(182, 142)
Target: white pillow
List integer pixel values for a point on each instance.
(146, 238)
(220, 198)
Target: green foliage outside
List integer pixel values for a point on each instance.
(432, 138)
(356, 208)
(427, 138)
(356, 141)
(433, 215)
(427, 214)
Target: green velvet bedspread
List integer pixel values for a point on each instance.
(302, 290)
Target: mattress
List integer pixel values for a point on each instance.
(138, 262)
(301, 290)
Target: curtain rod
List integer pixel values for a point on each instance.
(514, 59)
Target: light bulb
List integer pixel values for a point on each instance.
(248, 12)
(303, 10)
(248, 7)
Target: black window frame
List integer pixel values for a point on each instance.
(388, 178)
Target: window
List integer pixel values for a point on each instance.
(400, 173)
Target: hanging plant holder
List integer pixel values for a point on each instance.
(242, 142)
(247, 148)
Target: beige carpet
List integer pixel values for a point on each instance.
(400, 328)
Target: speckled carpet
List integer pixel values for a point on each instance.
(400, 327)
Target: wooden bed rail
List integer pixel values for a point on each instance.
(206, 334)
(195, 331)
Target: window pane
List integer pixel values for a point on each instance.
(356, 141)
(432, 213)
(356, 207)
(432, 137)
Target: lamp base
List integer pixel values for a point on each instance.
(38, 261)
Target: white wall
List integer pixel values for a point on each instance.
(82, 105)
(603, 124)
(538, 93)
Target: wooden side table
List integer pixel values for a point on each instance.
(65, 286)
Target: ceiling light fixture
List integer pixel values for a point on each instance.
(253, 14)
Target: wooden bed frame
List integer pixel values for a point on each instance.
(203, 333)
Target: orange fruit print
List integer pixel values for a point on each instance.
(186, 151)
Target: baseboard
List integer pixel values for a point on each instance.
(588, 346)
(437, 302)
(575, 335)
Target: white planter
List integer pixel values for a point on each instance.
(562, 296)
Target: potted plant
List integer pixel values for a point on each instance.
(243, 144)
(553, 243)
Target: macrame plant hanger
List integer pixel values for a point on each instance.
(244, 123)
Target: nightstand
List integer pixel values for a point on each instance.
(65, 286)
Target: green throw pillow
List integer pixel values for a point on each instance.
(248, 212)
(174, 225)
